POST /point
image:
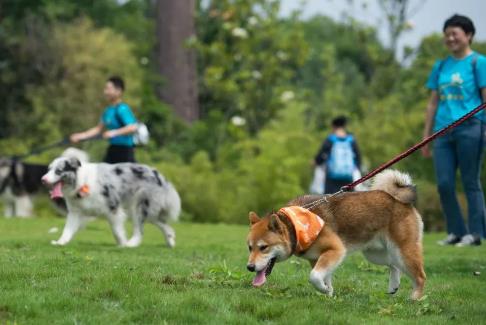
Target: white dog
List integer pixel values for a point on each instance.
(113, 191)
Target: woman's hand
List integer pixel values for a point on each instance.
(426, 152)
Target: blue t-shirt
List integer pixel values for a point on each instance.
(458, 87)
(118, 116)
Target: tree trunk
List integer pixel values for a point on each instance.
(177, 63)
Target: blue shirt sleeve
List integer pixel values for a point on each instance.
(433, 81)
(481, 71)
(126, 115)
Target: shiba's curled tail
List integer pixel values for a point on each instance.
(397, 184)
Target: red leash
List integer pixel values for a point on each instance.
(419, 145)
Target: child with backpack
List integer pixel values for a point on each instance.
(341, 156)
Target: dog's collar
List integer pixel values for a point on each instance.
(307, 226)
(83, 191)
(290, 229)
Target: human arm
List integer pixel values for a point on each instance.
(128, 129)
(429, 120)
(88, 134)
(323, 153)
(126, 121)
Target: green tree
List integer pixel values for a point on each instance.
(71, 97)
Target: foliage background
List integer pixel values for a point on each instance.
(269, 87)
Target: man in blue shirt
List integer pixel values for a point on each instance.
(458, 85)
(116, 124)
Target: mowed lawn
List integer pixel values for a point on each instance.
(204, 281)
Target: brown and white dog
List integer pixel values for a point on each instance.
(382, 223)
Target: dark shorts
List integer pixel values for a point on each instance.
(332, 185)
(118, 154)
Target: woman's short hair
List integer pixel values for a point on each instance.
(462, 22)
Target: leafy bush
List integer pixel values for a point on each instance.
(258, 174)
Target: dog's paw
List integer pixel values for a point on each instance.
(330, 291)
(57, 243)
(132, 243)
(171, 242)
(392, 291)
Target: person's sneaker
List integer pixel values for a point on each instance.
(450, 240)
(469, 240)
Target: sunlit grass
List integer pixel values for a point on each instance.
(204, 280)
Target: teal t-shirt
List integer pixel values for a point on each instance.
(458, 87)
(118, 116)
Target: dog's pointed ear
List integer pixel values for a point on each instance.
(253, 218)
(274, 224)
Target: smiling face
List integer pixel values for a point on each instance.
(268, 243)
(457, 40)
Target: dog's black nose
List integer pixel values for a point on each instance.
(251, 267)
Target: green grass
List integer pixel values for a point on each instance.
(204, 280)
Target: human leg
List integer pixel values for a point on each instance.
(445, 163)
(470, 153)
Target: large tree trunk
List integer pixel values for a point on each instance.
(177, 63)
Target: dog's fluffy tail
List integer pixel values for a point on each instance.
(397, 184)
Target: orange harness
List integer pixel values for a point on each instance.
(307, 226)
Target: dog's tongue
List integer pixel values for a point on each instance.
(56, 191)
(260, 278)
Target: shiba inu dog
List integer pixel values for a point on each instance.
(382, 223)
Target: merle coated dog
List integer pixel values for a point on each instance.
(114, 191)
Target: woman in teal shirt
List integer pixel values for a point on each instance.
(458, 85)
(120, 123)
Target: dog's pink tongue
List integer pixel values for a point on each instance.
(56, 191)
(259, 279)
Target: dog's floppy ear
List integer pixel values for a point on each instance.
(274, 224)
(253, 218)
(74, 163)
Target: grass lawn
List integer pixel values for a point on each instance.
(204, 280)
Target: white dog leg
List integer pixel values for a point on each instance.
(321, 274)
(328, 282)
(73, 224)
(136, 239)
(317, 279)
(394, 283)
(23, 206)
(168, 232)
(8, 209)
(8, 203)
(117, 223)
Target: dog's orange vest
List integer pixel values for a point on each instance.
(307, 225)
